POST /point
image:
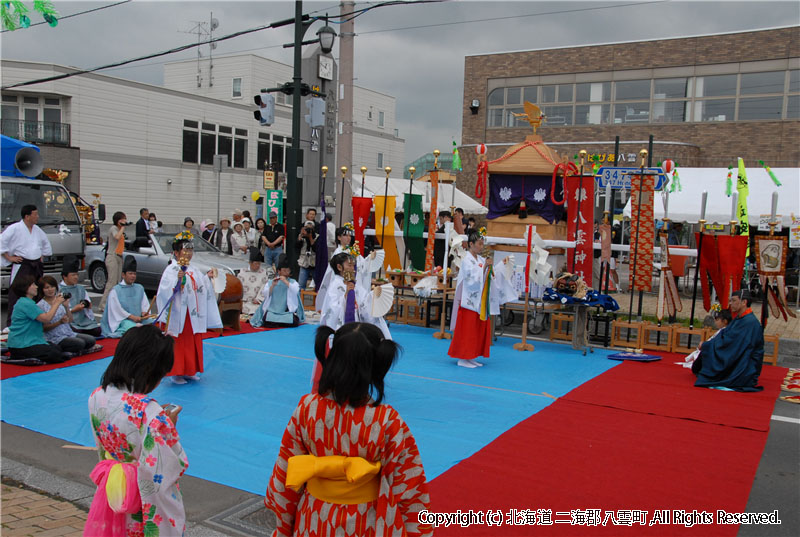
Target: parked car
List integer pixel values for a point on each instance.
(152, 260)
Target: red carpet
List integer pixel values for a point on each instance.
(579, 455)
(8, 371)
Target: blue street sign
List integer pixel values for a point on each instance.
(621, 177)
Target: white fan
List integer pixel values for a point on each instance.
(375, 260)
(508, 267)
(382, 298)
(219, 279)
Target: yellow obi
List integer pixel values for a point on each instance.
(335, 478)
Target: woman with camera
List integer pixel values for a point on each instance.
(26, 341)
(58, 331)
(115, 247)
(306, 245)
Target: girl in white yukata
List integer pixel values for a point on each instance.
(344, 238)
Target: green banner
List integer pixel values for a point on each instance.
(741, 210)
(413, 227)
(274, 204)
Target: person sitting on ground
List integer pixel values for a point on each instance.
(281, 304)
(328, 471)
(135, 434)
(253, 279)
(26, 341)
(127, 304)
(721, 319)
(80, 304)
(733, 359)
(57, 331)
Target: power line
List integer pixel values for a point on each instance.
(76, 14)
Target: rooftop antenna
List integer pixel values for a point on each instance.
(204, 31)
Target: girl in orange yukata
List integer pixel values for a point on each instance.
(348, 465)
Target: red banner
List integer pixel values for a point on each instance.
(361, 209)
(580, 221)
(642, 231)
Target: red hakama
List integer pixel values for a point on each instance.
(188, 352)
(472, 337)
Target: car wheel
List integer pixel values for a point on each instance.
(98, 277)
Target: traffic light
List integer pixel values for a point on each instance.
(266, 111)
(316, 112)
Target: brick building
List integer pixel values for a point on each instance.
(706, 100)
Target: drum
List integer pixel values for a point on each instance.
(233, 289)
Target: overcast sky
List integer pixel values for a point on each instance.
(413, 52)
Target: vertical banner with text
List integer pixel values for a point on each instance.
(384, 230)
(642, 231)
(275, 204)
(580, 221)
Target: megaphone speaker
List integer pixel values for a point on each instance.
(28, 162)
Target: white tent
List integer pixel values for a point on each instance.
(376, 186)
(684, 206)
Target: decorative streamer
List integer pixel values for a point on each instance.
(676, 182)
(744, 190)
(429, 266)
(456, 158)
(769, 171)
(487, 284)
(14, 13)
(729, 182)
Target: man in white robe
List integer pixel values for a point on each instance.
(127, 305)
(253, 279)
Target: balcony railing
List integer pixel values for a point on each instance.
(37, 132)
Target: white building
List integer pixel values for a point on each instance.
(141, 145)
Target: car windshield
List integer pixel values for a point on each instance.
(52, 202)
(200, 245)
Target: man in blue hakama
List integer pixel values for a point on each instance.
(282, 305)
(127, 304)
(733, 359)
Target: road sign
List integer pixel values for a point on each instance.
(621, 177)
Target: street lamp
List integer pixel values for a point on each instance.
(326, 36)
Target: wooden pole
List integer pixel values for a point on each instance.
(524, 345)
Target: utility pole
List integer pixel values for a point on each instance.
(344, 146)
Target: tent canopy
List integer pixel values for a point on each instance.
(376, 186)
(684, 206)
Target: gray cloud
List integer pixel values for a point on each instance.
(395, 53)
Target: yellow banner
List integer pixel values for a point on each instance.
(384, 230)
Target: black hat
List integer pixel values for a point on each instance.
(129, 264)
(188, 219)
(743, 294)
(283, 262)
(70, 264)
(255, 255)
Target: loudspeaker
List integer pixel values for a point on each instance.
(28, 162)
(19, 159)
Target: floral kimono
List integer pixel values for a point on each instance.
(133, 428)
(321, 427)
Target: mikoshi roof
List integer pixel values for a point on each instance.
(684, 206)
(376, 186)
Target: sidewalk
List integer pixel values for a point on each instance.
(25, 512)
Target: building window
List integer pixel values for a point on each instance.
(714, 110)
(794, 81)
(240, 148)
(754, 83)
(369, 114)
(277, 157)
(237, 88)
(556, 116)
(632, 90)
(592, 114)
(207, 147)
(496, 97)
(715, 86)
(632, 113)
(793, 107)
(191, 141)
(671, 88)
(593, 92)
(380, 161)
(670, 111)
(381, 119)
(760, 108)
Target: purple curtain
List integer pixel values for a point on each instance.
(506, 191)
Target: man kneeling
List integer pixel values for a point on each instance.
(282, 305)
(733, 359)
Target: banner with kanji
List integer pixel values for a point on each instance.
(384, 230)
(429, 264)
(275, 204)
(580, 221)
(361, 209)
(642, 231)
(413, 228)
(743, 189)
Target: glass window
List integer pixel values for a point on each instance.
(237, 87)
(632, 89)
(496, 97)
(52, 115)
(207, 147)
(495, 117)
(241, 132)
(277, 157)
(716, 110)
(530, 94)
(380, 160)
(771, 82)
(191, 140)
(793, 107)
(240, 153)
(670, 111)
(381, 119)
(191, 124)
(9, 98)
(226, 130)
(558, 115)
(263, 136)
(565, 93)
(632, 113)
(593, 92)
(548, 94)
(262, 156)
(592, 114)
(794, 81)
(277, 138)
(209, 127)
(30, 100)
(225, 147)
(52, 102)
(714, 86)
(760, 108)
(514, 121)
(513, 95)
(670, 88)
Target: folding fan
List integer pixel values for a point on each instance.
(382, 298)
(375, 260)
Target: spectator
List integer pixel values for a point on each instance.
(26, 342)
(115, 247)
(143, 230)
(472, 226)
(306, 245)
(261, 226)
(237, 216)
(83, 321)
(246, 214)
(438, 245)
(208, 231)
(188, 225)
(272, 238)
(58, 331)
(144, 443)
(322, 432)
(239, 240)
(221, 237)
(459, 222)
(675, 236)
(23, 245)
(311, 214)
(250, 233)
